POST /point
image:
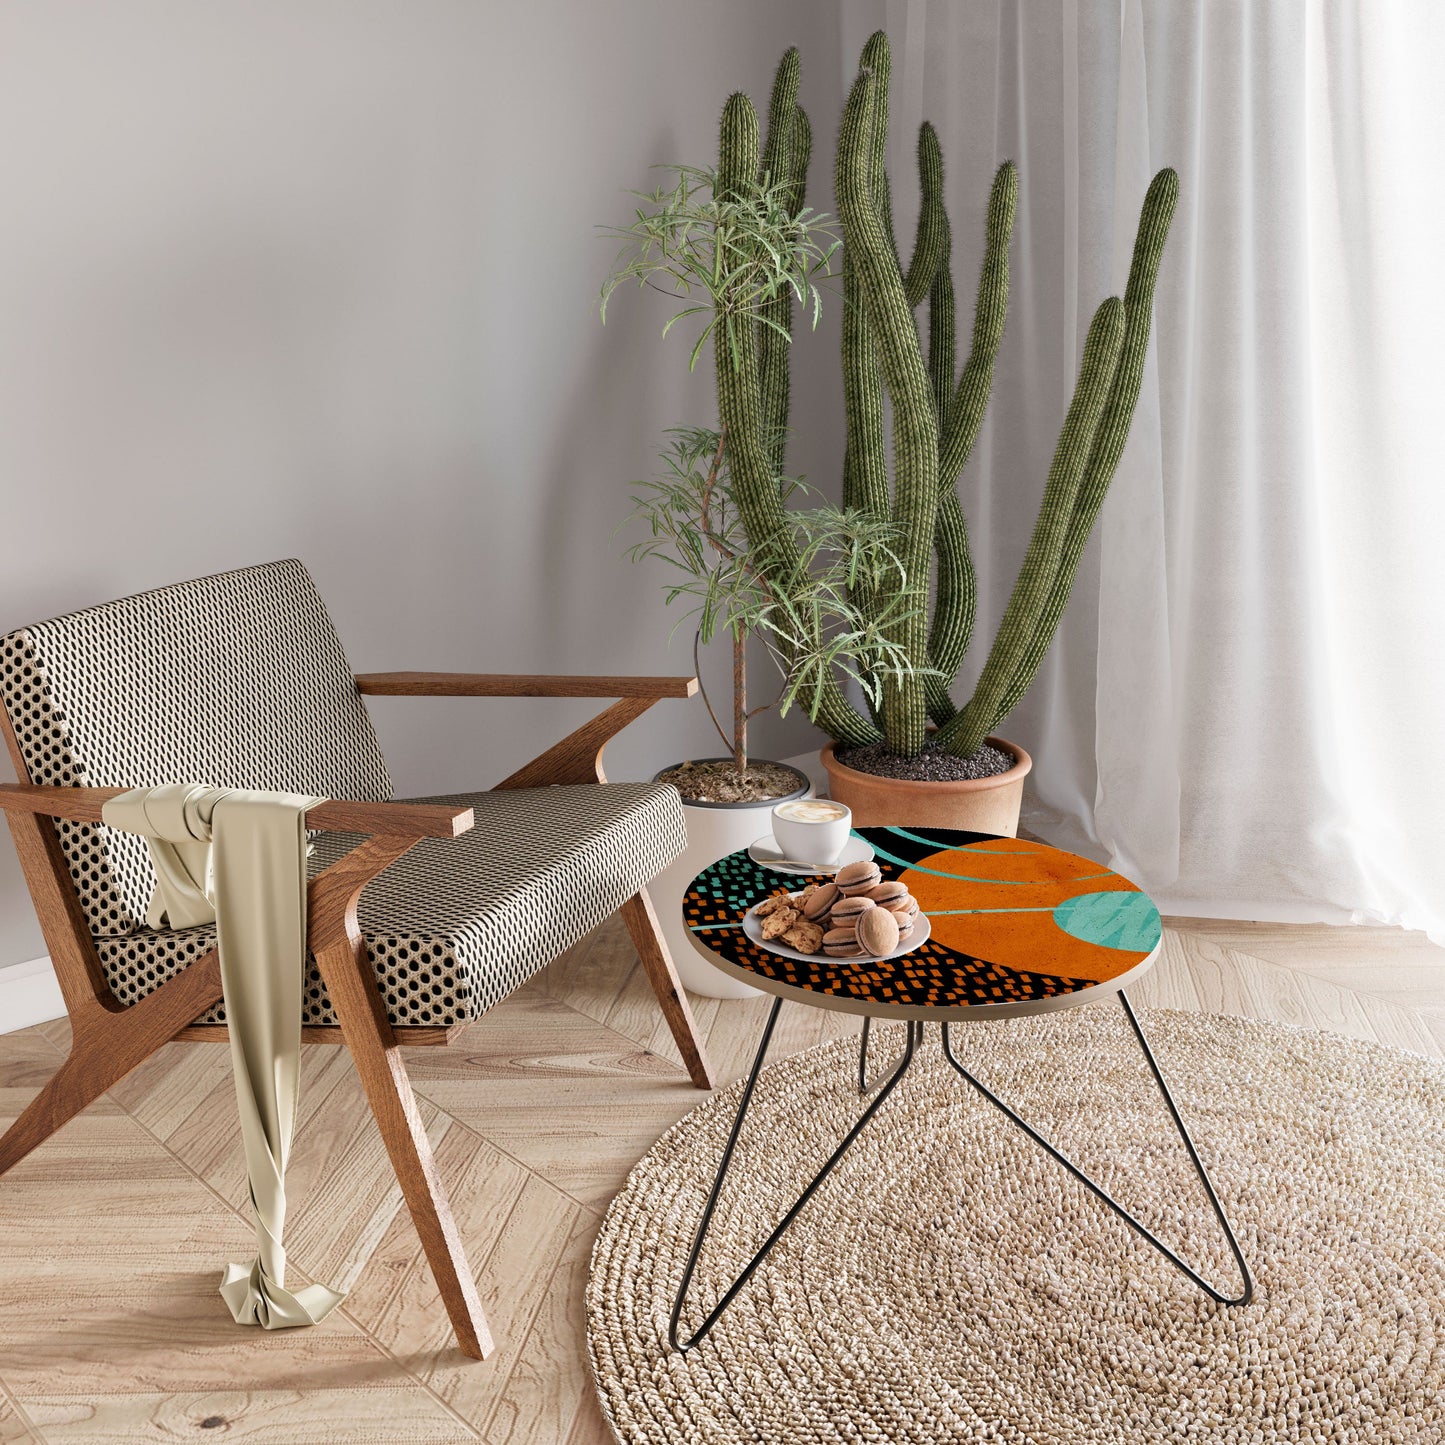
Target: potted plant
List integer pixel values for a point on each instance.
(909, 753)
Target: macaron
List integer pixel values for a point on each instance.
(819, 903)
(905, 910)
(841, 943)
(878, 932)
(847, 911)
(855, 878)
(889, 893)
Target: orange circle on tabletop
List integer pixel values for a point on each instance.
(1013, 902)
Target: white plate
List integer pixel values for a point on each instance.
(753, 927)
(766, 852)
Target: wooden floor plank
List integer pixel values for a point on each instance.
(110, 1282)
(589, 1428)
(1170, 982)
(13, 1428)
(258, 1417)
(545, 1390)
(514, 1279)
(583, 1139)
(162, 1093)
(534, 1036)
(484, 1186)
(1220, 985)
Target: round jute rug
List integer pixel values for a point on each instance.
(950, 1282)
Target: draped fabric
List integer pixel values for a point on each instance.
(239, 858)
(1245, 705)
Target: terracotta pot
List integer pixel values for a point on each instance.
(976, 805)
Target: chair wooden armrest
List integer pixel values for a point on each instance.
(501, 684)
(403, 820)
(578, 757)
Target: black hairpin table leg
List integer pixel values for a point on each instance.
(915, 1030)
(1248, 1292)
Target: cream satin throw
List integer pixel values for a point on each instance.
(239, 858)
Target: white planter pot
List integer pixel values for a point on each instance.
(713, 831)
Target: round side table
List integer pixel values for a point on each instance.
(1017, 928)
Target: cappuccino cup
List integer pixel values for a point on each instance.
(812, 830)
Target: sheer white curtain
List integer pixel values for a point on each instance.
(1245, 707)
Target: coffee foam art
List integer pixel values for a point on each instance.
(811, 810)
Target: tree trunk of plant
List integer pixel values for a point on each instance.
(740, 703)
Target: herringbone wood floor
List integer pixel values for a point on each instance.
(113, 1234)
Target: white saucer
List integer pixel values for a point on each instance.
(753, 927)
(766, 852)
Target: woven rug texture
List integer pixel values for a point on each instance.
(950, 1281)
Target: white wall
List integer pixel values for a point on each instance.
(319, 279)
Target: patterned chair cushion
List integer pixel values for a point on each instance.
(237, 680)
(458, 923)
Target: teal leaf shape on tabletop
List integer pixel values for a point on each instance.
(1127, 921)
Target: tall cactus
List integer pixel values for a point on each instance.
(937, 415)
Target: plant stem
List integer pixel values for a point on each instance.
(740, 701)
(702, 688)
(739, 745)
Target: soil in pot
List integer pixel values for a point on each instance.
(716, 826)
(718, 781)
(932, 765)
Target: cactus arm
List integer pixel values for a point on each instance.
(942, 334)
(877, 56)
(956, 602)
(1102, 347)
(1155, 216)
(865, 462)
(802, 154)
(737, 145)
(954, 597)
(778, 168)
(915, 428)
(865, 454)
(782, 109)
(930, 245)
(989, 315)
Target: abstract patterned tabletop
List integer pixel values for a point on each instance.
(1018, 927)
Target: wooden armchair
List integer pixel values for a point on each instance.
(239, 680)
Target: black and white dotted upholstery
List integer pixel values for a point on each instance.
(235, 681)
(239, 680)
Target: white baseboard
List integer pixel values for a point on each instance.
(29, 994)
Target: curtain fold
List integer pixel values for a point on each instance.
(1244, 707)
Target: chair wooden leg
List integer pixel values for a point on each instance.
(105, 1046)
(346, 968)
(641, 920)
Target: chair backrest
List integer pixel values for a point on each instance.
(237, 680)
